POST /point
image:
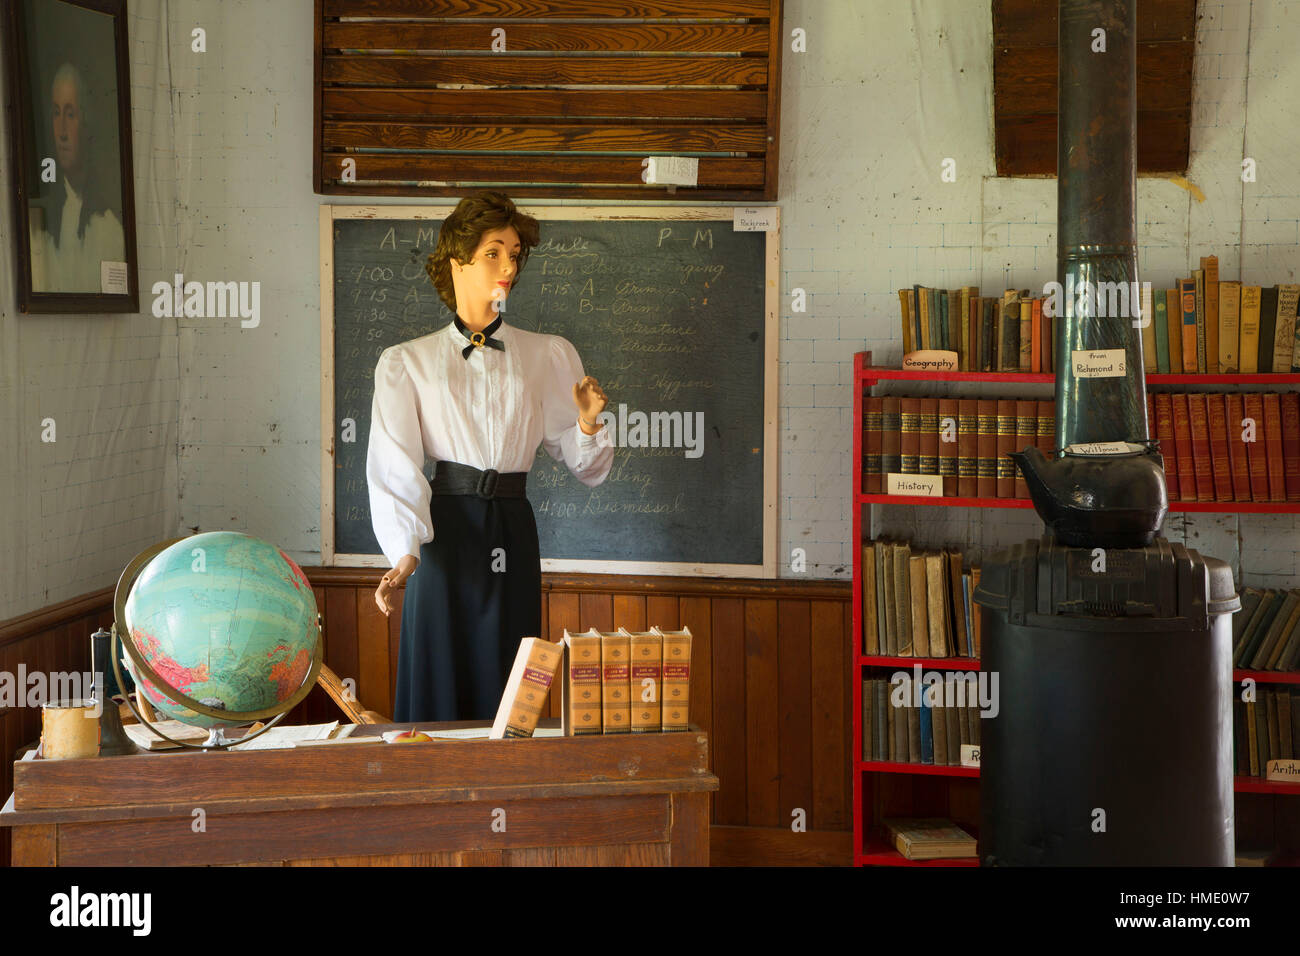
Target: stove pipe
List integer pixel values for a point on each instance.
(1088, 495)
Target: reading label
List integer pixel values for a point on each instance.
(1104, 363)
(754, 219)
(970, 755)
(926, 486)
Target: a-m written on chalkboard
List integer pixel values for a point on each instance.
(672, 309)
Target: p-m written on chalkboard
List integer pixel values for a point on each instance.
(672, 309)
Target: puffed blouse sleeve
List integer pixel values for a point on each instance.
(399, 492)
(588, 457)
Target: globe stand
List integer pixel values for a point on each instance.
(216, 740)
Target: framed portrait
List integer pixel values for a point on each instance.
(70, 131)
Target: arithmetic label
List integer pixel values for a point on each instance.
(970, 754)
(925, 486)
(1103, 363)
(1287, 770)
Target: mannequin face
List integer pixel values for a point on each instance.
(487, 278)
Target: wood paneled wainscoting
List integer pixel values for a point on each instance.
(769, 683)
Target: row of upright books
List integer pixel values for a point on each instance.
(1202, 324)
(902, 723)
(918, 603)
(1224, 327)
(611, 682)
(1265, 729)
(1235, 447)
(966, 440)
(1266, 631)
(1009, 333)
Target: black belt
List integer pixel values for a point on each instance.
(453, 478)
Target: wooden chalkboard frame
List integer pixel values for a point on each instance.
(330, 213)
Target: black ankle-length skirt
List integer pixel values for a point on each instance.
(462, 616)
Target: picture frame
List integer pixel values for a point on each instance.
(69, 122)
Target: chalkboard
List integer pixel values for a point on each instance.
(672, 310)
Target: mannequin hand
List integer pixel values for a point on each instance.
(590, 399)
(393, 580)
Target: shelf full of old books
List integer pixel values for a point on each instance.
(916, 753)
(1234, 452)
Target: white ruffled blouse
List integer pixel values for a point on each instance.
(491, 410)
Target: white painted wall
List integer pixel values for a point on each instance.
(167, 425)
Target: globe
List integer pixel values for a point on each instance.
(225, 619)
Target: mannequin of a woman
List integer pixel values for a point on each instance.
(475, 396)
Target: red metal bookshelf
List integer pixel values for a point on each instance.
(869, 844)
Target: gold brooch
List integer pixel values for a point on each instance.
(477, 339)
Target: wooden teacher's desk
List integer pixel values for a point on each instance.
(602, 800)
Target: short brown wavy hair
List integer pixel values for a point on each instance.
(464, 228)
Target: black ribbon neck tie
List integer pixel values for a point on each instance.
(478, 340)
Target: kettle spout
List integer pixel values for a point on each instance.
(1036, 470)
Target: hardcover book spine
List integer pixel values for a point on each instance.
(527, 688)
(949, 437)
(1193, 336)
(1201, 463)
(937, 603)
(870, 626)
(976, 310)
(1284, 337)
(616, 705)
(967, 447)
(1036, 336)
(891, 437)
(646, 671)
(1045, 433)
(989, 333)
(1213, 327)
(929, 436)
(1248, 349)
(677, 678)
(1006, 468)
(1183, 442)
(1025, 361)
(1221, 463)
(1291, 444)
(1164, 423)
(1229, 327)
(1267, 327)
(911, 428)
(926, 322)
(873, 482)
(1009, 346)
(583, 697)
(1026, 435)
(1273, 447)
(906, 310)
(1175, 314)
(987, 448)
(919, 617)
(1202, 333)
(1256, 456)
(1161, 321)
(1237, 448)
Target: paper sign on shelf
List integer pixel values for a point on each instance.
(1098, 363)
(925, 486)
(754, 219)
